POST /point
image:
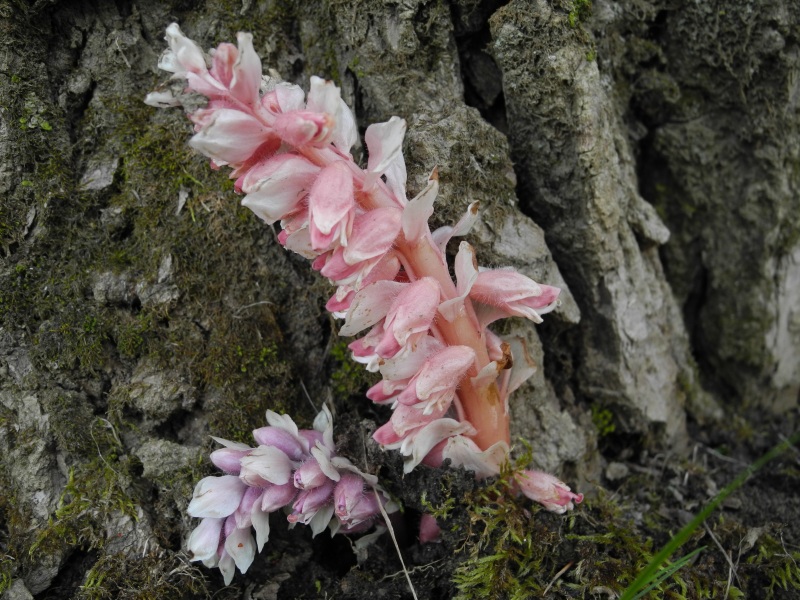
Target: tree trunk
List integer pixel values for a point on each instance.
(643, 155)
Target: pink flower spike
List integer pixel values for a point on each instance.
(304, 128)
(428, 529)
(331, 206)
(547, 490)
(216, 497)
(246, 72)
(205, 538)
(410, 316)
(510, 293)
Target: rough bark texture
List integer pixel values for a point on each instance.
(644, 155)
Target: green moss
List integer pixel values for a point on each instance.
(95, 491)
(603, 420)
(579, 12)
(348, 378)
(151, 577)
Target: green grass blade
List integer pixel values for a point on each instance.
(651, 571)
(667, 572)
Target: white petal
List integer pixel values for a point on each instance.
(227, 567)
(463, 452)
(161, 99)
(204, 539)
(384, 143)
(261, 525)
(290, 97)
(319, 522)
(418, 210)
(423, 441)
(325, 464)
(229, 444)
(241, 548)
(216, 497)
(270, 463)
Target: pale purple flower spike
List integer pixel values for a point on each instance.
(283, 471)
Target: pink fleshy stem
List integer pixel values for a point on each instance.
(484, 407)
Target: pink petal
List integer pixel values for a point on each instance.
(222, 64)
(277, 496)
(281, 439)
(370, 305)
(385, 145)
(373, 234)
(276, 187)
(246, 71)
(411, 314)
(230, 137)
(331, 205)
(304, 128)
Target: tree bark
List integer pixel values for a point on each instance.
(643, 155)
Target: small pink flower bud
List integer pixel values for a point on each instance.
(280, 439)
(428, 529)
(277, 496)
(308, 502)
(309, 475)
(227, 459)
(547, 490)
(347, 494)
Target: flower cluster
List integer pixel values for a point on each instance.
(290, 468)
(445, 374)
